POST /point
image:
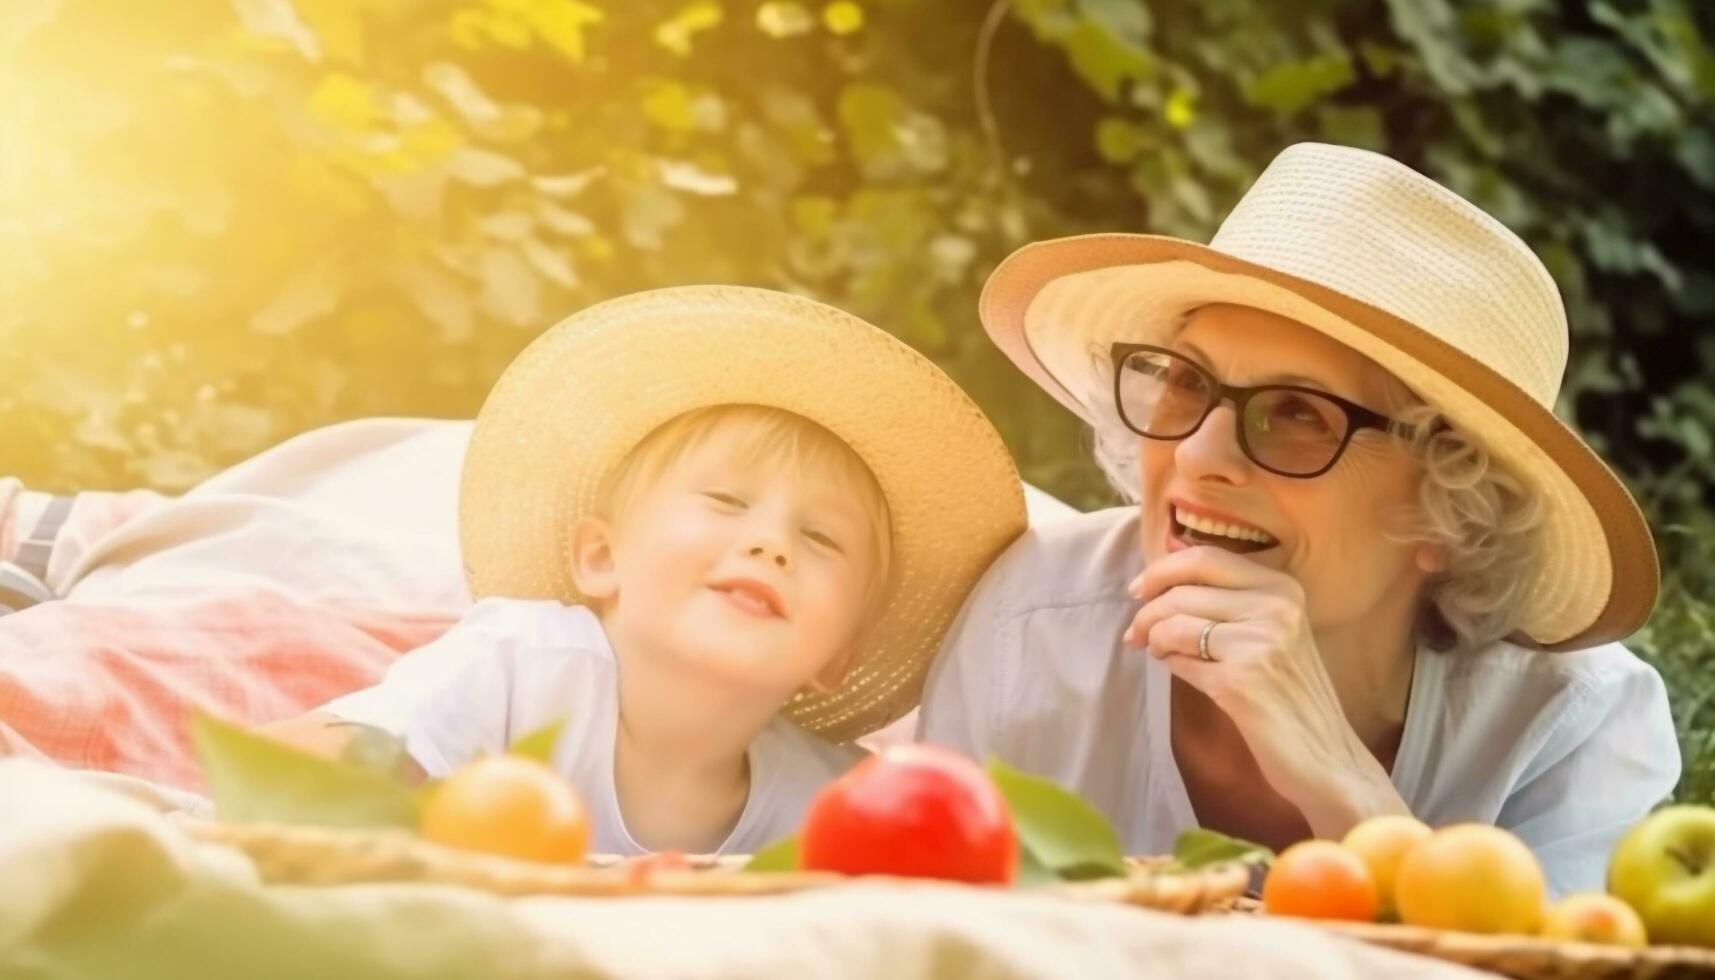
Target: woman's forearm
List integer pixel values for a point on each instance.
(1352, 794)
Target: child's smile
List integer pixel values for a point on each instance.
(752, 597)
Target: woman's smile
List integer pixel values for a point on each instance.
(1190, 525)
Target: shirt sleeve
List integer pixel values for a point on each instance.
(1613, 757)
(448, 700)
(962, 692)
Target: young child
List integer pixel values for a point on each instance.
(717, 532)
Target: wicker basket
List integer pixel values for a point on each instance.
(1537, 958)
(1524, 957)
(300, 855)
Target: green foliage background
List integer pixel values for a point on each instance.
(233, 220)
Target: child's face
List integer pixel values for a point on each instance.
(754, 574)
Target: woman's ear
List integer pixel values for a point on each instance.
(591, 558)
(1432, 558)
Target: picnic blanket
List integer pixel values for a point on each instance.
(99, 883)
(273, 587)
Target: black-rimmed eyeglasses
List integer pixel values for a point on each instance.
(1290, 430)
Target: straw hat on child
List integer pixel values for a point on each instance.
(588, 390)
(1397, 267)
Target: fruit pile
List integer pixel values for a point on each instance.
(1478, 878)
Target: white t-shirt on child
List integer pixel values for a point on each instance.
(511, 667)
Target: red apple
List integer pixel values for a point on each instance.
(915, 811)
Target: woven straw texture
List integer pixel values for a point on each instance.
(1524, 957)
(1532, 958)
(589, 389)
(296, 855)
(1402, 270)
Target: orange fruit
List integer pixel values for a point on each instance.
(1381, 842)
(1595, 917)
(1319, 879)
(1471, 877)
(507, 804)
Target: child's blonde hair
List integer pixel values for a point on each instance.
(761, 436)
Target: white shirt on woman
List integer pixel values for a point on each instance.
(1566, 750)
(511, 667)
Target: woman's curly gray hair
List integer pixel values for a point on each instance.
(1487, 520)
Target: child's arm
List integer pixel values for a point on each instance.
(327, 736)
(446, 701)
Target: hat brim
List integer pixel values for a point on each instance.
(1052, 305)
(583, 394)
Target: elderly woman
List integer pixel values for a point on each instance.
(1367, 570)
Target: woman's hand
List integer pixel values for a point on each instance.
(1267, 675)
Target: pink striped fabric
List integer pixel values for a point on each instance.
(112, 686)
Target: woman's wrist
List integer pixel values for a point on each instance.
(1350, 798)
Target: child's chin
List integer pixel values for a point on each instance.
(740, 668)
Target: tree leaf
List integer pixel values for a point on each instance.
(483, 168)
(784, 19)
(843, 17)
(313, 293)
(1202, 848)
(1291, 86)
(1060, 831)
(782, 855)
(539, 744)
(561, 23)
(254, 778)
(675, 33)
(278, 19)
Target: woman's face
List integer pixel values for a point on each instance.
(1326, 531)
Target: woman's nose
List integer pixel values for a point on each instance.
(1213, 450)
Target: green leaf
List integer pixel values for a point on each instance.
(539, 744)
(253, 778)
(1059, 831)
(784, 19)
(1201, 848)
(1031, 873)
(1106, 60)
(376, 750)
(1293, 85)
(676, 33)
(782, 855)
(1118, 140)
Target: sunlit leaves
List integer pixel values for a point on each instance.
(346, 102)
(843, 17)
(677, 32)
(279, 19)
(1293, 85)
(887, 136)
(783, 19)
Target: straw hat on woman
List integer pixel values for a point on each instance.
(1366, 571)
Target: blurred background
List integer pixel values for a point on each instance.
(223, 222)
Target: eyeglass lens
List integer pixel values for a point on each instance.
(1167, 397)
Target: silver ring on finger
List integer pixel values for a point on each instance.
(1203, 642)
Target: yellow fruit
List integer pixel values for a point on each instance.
(1381, 842)
(1595, 917)
(507, 804)
(1471, 877)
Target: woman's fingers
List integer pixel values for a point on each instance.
(1175, 634)
(1202, 601)
(1206, 565)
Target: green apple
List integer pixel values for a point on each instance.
(1665, 869)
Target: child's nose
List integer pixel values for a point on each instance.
(771, 554)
